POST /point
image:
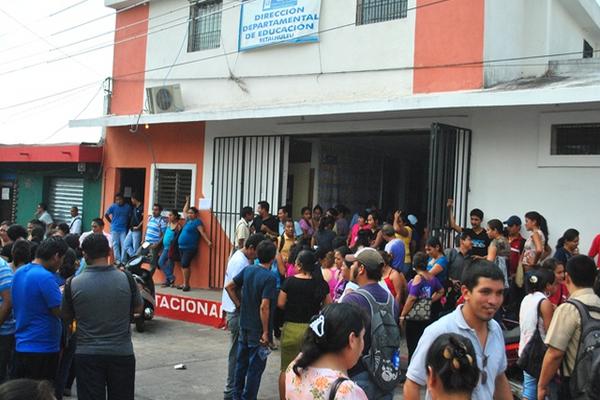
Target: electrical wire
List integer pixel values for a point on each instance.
(77, 116)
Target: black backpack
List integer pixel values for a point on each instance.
(585, 378)
(383, 359)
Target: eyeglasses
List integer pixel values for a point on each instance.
(483, 371)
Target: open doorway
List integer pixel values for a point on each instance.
(389, 170)
(132, 181)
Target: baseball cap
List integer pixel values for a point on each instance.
(412, 219)
(513, 220)
(367, 256)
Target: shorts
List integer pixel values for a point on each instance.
(187, 256)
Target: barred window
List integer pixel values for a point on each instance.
(171, 186)
(205, 25)
(575, 139)
(372, 11)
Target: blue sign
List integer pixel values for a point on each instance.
(267, 22)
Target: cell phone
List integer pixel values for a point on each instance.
(145, 245)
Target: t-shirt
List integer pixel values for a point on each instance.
(136, 216)
(304, 298)
(397, 249)
(101, 306)
(242, 231)
(516, 248)
(168, 237)
(75, 225)
(406, 239)
(324, 239)
(257, 283)
(595, 249)
(381, 296)
(457, 262)
(34, 293)
(442, 262)
(189, 236)
(120, 216)
(6, 278)
(481, 241)
(270, 221)
(341, 227)
(424, 289)
(236, 264)
(562, 255)
(46, 218)
(155, 228)
(305, 226)
(284, 245)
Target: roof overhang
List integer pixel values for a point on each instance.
(68, 153)
(583, 93)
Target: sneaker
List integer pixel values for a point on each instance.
(166, 284)
(185, 288)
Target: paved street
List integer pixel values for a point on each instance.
(202, 350)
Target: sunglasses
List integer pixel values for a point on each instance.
(484, 376)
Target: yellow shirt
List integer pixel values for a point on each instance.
(565, 328)
(287, 245)
(406, 240)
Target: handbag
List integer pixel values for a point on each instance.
(532, 357)
(420, 311)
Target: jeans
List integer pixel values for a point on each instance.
(166, 265)
(7, 348)
(233, 324)
(372, 391)
(97, 374)
(155, 253)
(132, 243)
(249, 366)
(118, 239)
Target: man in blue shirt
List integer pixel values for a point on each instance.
(258, 292)
(36, 305)
(7, 321)
(483, 291)
(156, 227)
(119, 216)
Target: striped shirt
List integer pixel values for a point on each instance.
(155, 229)
(6, 277)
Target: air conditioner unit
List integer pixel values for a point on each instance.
(164, 99)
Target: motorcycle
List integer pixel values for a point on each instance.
(145, 284)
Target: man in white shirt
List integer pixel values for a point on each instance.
(75, 222)
(238, 261)
(242, 229)
(43, 215)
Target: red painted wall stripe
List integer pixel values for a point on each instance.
(130, 61)
(448, 33)
(189, 309)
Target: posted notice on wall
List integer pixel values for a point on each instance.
(266, 22)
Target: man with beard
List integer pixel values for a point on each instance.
(483, 291)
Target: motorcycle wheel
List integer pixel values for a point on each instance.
(139, 324)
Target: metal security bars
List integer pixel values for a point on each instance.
(373, 11)
(171, 186)
(205, 25)
(246, 170)
(449, 164)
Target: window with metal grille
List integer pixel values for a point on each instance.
(576, 139)
(205, 25)
(372, 11)
(171, 186)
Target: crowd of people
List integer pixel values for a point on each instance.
(334, 292)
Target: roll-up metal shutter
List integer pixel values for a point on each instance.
(63, 194)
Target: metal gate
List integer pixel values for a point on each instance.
(63, 194)
(246, 170)
(449, 167)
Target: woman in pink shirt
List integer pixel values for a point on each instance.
(361, 224)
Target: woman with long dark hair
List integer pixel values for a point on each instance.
(424, 290)
(535, 245)
(188, 240)
(301, 296)
(535, 314)
(332, 345)
(567, 246)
